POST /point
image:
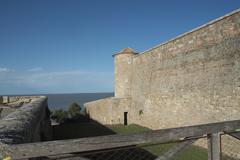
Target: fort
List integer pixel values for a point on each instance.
(189, 86)
(191, 79)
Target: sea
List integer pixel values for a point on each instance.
(63, 101)
(57, 101)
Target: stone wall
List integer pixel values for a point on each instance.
(189, 80)
(29, 123)
(10, 103)
(109, 110)
(123, 72)
(18, 99)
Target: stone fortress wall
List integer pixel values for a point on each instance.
(189, 80)
(9, 104)
(28, 121)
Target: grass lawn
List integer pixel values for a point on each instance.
(92, 129)
(129, 129)
(191, 153)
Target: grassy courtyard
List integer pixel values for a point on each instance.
(92, 129)
(192, 153)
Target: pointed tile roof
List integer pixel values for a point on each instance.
(126, 51)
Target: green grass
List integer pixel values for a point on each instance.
(191, 153)
(129, 129)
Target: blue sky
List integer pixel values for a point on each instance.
(65, 46)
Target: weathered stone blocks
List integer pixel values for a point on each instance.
(109, 110)
(27, 123)
(123, 72)
(188, 80)
(5, 99)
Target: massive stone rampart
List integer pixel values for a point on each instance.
(192, 79)
(29, 123)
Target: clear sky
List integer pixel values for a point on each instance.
(65, 46)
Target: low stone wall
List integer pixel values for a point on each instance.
(17, 99)
(109, 110)
(9, 104)
(6, 111)
(29, 123)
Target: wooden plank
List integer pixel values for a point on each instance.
(106, 142)
(177, 149)
(214, 146)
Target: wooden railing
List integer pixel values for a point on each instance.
(186, 135)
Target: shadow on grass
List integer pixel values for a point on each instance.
(91, 128)
(123, 154)
(80, 130)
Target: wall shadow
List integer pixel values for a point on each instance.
(122, 154)
(90, 128)
(79, 129)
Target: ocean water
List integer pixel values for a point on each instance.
(57, 101)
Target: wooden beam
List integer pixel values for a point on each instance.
(214, 146)
(177, 149)
(31, 150)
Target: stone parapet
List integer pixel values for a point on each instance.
(29, 123)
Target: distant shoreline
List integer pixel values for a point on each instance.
(44, 94)
(63, 100)
(57, 101)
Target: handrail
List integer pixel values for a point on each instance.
(31, 150)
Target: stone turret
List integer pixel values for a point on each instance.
(123, 72)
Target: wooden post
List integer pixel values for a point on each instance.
(214, 146)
